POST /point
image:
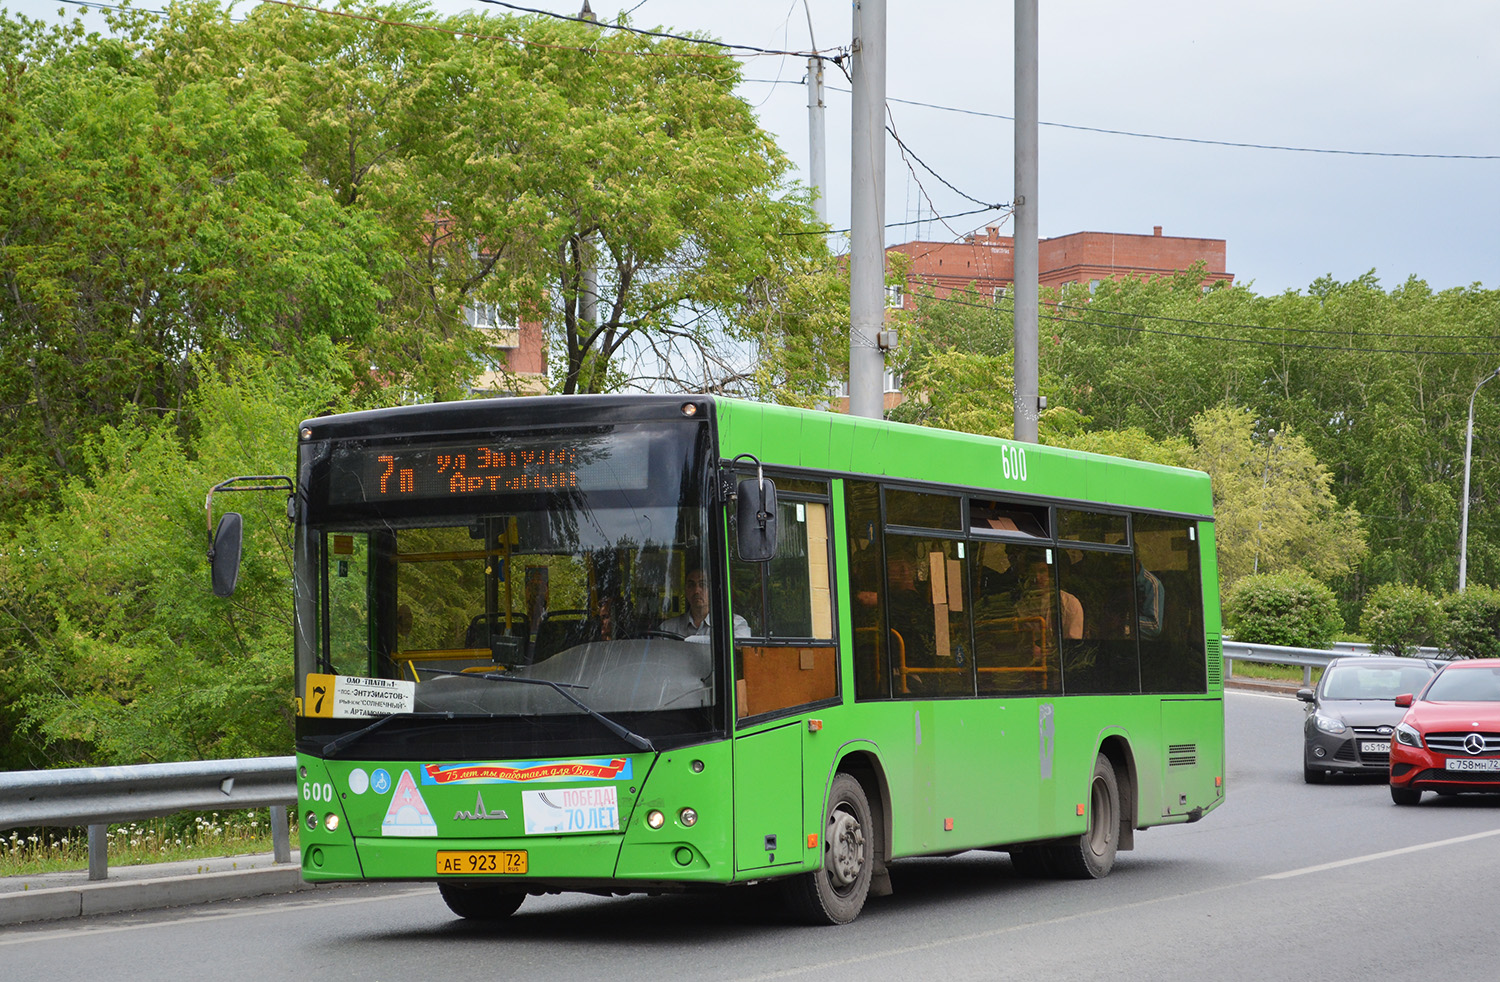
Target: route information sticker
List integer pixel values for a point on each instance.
(347, 697)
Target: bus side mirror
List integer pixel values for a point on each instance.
(224, 554)
(755, 519)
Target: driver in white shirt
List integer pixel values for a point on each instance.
(694, 625)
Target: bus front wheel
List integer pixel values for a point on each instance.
(481, 903)
(1092, 855)
(835, 892)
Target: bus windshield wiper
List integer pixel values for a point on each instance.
(338, 743)
(561, 688)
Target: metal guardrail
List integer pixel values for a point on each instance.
(97, 796)
(1307, 658)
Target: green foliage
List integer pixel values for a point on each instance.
(1398, 619)
(1472, 627)
(1287, 608)
(119, 650)
(1273, 505)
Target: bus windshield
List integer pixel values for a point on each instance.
(454, 568)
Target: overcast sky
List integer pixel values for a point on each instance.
(1363, 77)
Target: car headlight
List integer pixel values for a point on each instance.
(1328, 724)
(1408, 735)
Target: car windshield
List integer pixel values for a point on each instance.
(1466, 685)
(1368, 682)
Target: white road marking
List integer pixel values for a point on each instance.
(1380, 855)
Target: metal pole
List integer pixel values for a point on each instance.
(1026, 396)
(281, 837)
(867, 213)
(99, 852)
(1463, 526)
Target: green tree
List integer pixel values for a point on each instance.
(1273, 505)
(107, 628)
(145, 228)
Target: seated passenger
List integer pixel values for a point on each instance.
(694, 624)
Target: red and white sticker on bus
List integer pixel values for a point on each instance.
(558, 811)
(529, 771)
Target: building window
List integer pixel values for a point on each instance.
(893, 295)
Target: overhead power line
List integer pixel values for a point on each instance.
(1158, 136)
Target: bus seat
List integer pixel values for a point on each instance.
(557, 630)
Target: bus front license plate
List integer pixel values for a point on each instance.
(481, 862)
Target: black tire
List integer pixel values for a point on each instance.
(1092, 855)
(1314, 775)
(1405, 796)
(1033, 862)
(481, 903)
(835, 892)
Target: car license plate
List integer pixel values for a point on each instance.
(1464, 764)
(1375, 747)
(481, 862)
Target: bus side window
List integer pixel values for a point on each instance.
(798, 663)
(1173, 659)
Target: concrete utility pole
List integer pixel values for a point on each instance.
(1027, 266)
(867, 214)
(817, 137)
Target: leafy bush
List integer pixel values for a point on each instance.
(1472, 628)
(1289, 608)
(1398, 619)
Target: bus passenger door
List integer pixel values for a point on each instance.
(768, 798)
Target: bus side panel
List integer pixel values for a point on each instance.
(1193, 762)
(989, 793)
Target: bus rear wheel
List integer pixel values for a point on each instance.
(481, 903)
(1092, 855)
(835, 892)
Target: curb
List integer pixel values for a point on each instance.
(89, 898)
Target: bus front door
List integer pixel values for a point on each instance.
(768, 798)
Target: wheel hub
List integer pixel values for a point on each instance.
(846, 848)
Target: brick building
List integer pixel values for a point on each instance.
(518, 346)
(988, 260)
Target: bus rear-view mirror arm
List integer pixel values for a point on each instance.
(225, 543)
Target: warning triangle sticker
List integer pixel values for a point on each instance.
(408, 814)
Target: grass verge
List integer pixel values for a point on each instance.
(193, 835)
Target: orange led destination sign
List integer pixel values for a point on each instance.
(489, 470)
(363, 473)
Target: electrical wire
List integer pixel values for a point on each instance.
(1158, 136)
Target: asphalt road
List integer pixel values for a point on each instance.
(1285, 881)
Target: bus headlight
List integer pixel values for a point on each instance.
(331, 822)
(655, 819)
(688, 817)
(312, 820)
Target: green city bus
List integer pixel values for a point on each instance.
(647, 643)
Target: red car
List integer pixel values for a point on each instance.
(1449, 740)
